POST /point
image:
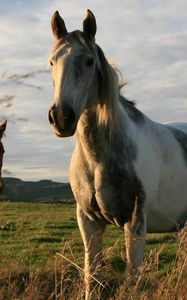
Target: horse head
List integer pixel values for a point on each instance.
(80, 73)
(74, 62)
(2, 130)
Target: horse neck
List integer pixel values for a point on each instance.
(99, 139)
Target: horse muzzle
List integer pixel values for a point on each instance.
(63, 120)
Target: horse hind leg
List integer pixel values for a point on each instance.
(135, 232)
(92, 236)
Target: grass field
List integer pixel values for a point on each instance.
(41, 256)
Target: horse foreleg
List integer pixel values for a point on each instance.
(92, 235)
(135, 232)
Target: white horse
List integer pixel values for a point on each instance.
(126, 169)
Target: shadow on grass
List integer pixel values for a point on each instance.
(166, 258)
(118, 265)
(46, 240)
(62, 227)
(161, 240)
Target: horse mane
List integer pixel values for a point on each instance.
(108, 91)
(110, 84)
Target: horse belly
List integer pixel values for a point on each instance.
(169, 211)
(164, 180)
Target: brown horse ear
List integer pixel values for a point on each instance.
(2, 127)
(89, 25)
(58, 26)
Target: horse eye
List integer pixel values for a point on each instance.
(51, 63)
(90, 62)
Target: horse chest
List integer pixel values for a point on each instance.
(105, 192)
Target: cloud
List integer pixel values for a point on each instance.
(6, 100)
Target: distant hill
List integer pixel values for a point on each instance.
(40, 191)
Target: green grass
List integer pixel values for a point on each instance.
(32, 234)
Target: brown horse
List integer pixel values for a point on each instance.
(2, 130)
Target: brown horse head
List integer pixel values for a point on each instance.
(2, 130)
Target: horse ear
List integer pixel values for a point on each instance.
(89, 25)
(58, 26)
(2, 127)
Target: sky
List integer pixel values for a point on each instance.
(147, 41)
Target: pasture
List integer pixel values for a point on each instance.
(41, 257)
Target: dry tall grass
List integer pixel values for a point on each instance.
(66, 281)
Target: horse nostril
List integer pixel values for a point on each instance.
(51, 116)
